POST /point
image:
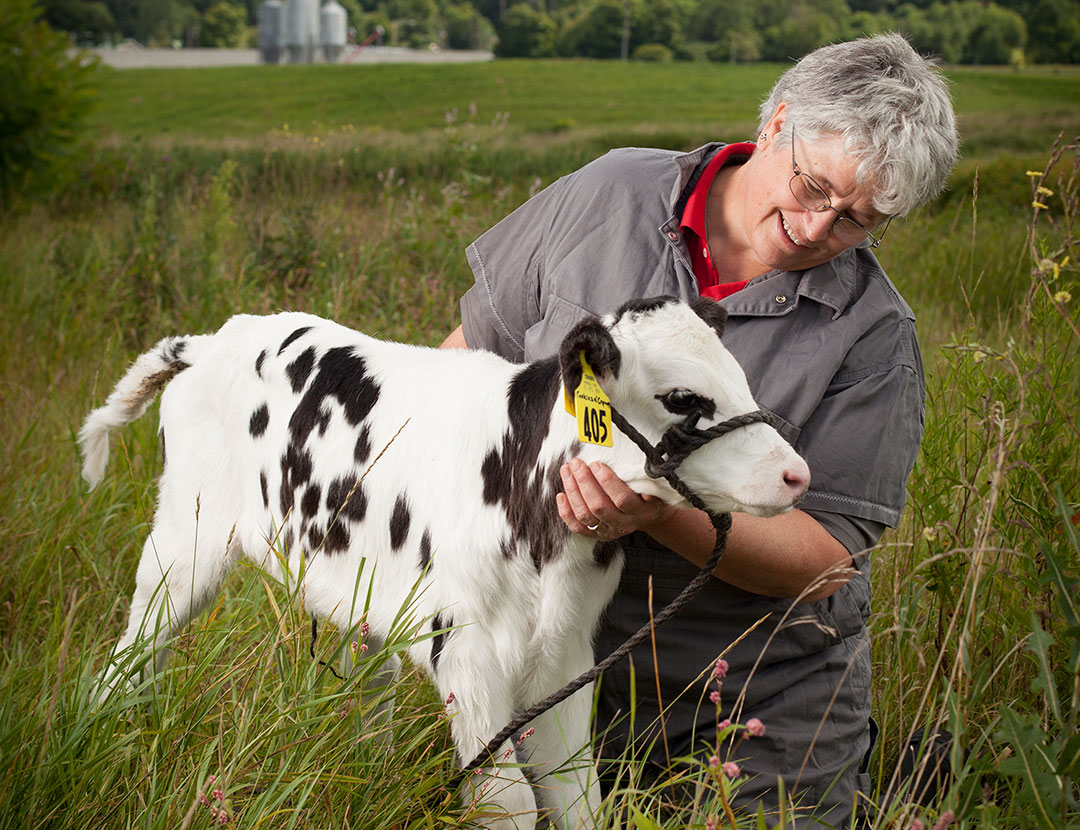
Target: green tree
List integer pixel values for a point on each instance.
(941, 29)
(47, 96)
(996, 34)
(806, 26)
(89, 20)
(525, 33)
(414, 23)
(597, 31)
(466, 28)
(1054, 31)
(224, 25)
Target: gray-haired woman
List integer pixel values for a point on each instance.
(780, 231)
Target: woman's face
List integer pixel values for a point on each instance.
(782, 233)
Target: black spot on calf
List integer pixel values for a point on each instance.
(259, 362)
(337, 537)
(346, 499)
(264, 485)
(439, 640)
(296, 469)
(309, 504)
(399, 523)
(342, 376)
(425, 550)
(300, 369)
(511, 474)
(260, 419)
(300, 332)
(605, 552)
(362, 451)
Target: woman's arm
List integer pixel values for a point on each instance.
(784, 555)
(455, 340)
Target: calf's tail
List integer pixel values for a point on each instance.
(136, 390)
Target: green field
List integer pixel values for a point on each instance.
(1001, 110)
(352, 192)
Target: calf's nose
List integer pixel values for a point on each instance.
(796, 479)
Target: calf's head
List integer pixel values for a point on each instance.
(661, 362)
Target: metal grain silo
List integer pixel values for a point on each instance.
(301, 29)
(271, 31)
(332, 25)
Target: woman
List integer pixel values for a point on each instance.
(780, 232)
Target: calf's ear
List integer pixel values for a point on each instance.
(593, 338)
(711, 312)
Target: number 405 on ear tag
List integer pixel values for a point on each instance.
(592, 407)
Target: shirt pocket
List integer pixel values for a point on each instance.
(542, 339)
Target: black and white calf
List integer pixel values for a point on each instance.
(271, 422)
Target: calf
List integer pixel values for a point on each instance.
(272, 428)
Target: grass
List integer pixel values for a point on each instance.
(162, 231)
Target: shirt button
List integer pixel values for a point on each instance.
(781, 298)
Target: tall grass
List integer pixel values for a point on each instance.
(976, 623)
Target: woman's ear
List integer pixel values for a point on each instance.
(773, 126)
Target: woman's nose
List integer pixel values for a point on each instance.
(818, 224)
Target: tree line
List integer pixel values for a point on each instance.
(958, 31)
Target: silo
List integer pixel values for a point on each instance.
(271, 31)
(301, 29)
(332, 23)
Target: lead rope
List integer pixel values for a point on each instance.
(676, 444)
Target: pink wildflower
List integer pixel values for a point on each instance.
(714, 696)
(218, 795)
(710, 823)
(721, 669)
(363, 647)
(945, 820)
(731, 769)
(714, 762)
(365, 629)
(203, 799)
(755, 727)
(211, 779)
(918, 825)
(449, 699)
(725, 723)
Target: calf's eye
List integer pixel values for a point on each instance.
(681, 401)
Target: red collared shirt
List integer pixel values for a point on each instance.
(693, 225)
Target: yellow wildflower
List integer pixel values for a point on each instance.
(1039, 205)
(1062, 297)
(1033, 173)
(1044, 191)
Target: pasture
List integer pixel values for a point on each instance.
(351, 192)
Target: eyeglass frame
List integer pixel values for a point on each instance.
(871, 241)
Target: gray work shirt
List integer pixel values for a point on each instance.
(831, 351)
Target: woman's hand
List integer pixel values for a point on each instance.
(597, 503)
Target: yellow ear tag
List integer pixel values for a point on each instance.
(592, 408)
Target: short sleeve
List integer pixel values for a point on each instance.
(508, 264)
(861, 444)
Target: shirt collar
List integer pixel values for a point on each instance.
(831, 284)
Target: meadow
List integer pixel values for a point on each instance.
(352, 192)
